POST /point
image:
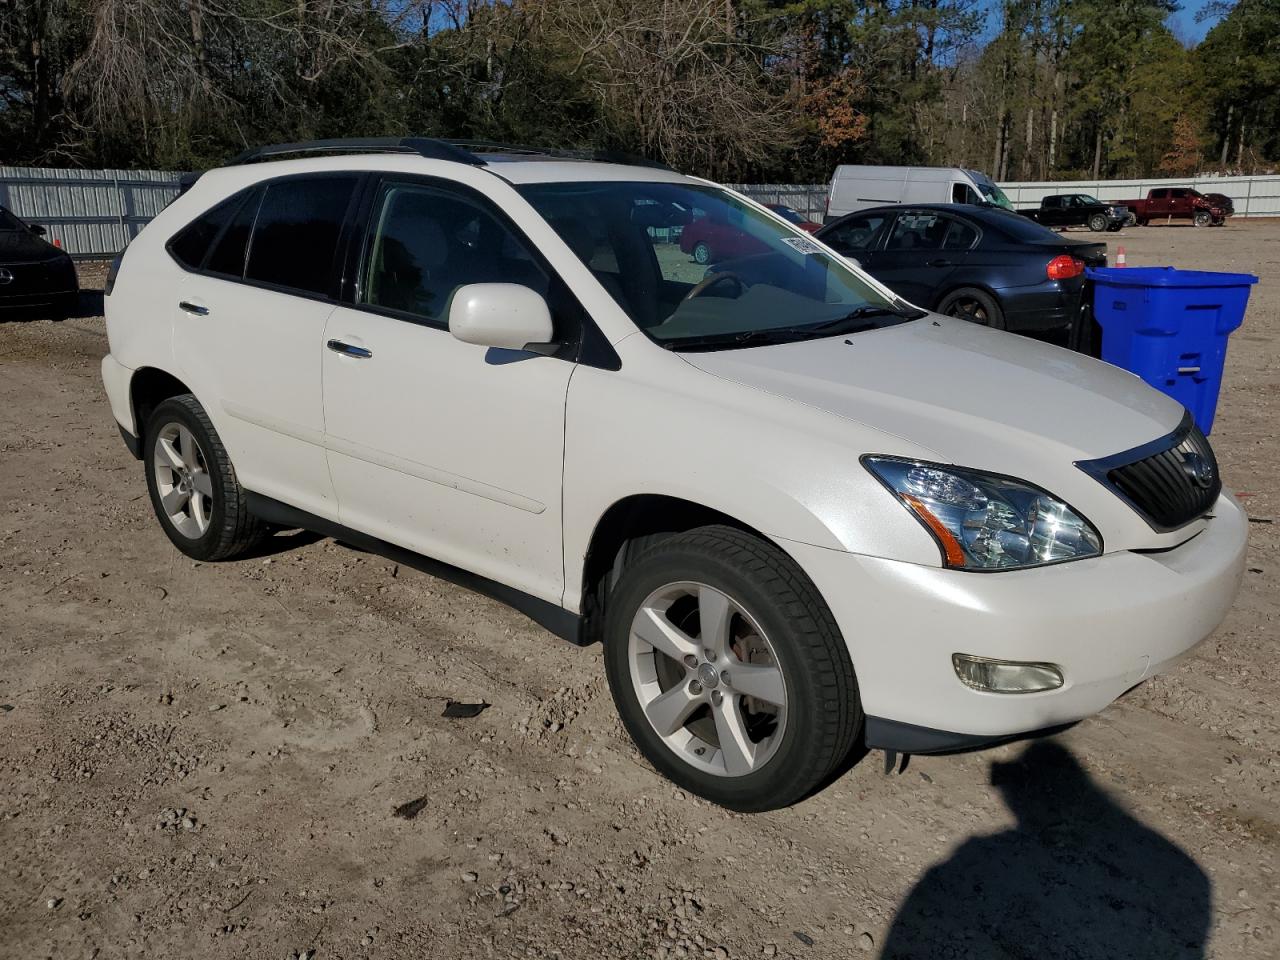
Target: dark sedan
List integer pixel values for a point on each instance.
(983, 264)
(34, 274)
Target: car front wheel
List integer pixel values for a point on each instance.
(193, 487)
(1203, 218)
(1097, 223)
(728, 670)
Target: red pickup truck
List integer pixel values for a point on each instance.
(1176, 203)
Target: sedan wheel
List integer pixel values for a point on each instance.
(973, 305)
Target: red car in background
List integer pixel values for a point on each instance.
(708, 240)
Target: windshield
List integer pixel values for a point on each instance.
(993, 193)
(697, 268)
(1085, 198)
(8, 221)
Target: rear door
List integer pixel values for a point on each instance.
(248, 328)
(921, 250)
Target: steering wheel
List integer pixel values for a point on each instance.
(716, 278)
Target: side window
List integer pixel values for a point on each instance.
(918, 231)
(190, 245)
(855, 233)
(1052, 203)
(229, 252)
(963, 193)
(959, 236)
(296, 234)
(1159, 194)
(424, 243)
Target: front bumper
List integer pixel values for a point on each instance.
(1109, 623)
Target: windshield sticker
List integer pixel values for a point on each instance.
(807, 247)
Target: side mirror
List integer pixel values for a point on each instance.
(38, 230)
(504, 315)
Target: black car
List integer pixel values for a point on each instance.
(981, 263)
(1077, 210)
(34, 274)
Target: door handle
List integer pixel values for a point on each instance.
(940, 263)
(349, 350)
(195, 309)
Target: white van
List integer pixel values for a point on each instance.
(855, 187)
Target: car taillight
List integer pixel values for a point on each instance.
(1064, 268)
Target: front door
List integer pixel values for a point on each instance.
(446, 448)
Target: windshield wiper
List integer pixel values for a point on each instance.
(856, 320)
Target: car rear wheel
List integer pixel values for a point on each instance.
(1131, 219)
(1202, 218)
(702, 253)
(728, 670)
(1097, 223)
(193, 487)
(976, 306)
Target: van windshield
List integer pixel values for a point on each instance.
(993, 193)
(698, 268)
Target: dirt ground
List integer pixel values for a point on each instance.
(207, 759)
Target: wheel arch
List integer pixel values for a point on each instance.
(954, 286)
(629, 525)
(148, 388)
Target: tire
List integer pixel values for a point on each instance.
(777, 619)
(974, 305)
(1202, 218)
(702, 253)
(208, 519)
(1131, 219)
(1098, 223)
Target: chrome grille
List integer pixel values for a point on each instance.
(1169, 482)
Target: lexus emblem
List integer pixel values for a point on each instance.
(6, 276)
(1198, 470)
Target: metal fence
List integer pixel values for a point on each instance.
(90, 213)
(1252, 196)
(95, 213)
(808, 199)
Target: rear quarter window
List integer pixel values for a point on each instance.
(190, 245)
(1019, 228)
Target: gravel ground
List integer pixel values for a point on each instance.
(249, 759)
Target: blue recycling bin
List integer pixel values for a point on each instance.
(1170, 327)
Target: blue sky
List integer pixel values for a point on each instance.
(1183, 23)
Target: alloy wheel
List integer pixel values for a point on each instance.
(967, 308)
(183, 481)
(707, 679)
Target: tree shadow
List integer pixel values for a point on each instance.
(1077, 877)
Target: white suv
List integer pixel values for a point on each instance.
(801, 514)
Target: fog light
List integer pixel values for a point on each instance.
(1005, 676)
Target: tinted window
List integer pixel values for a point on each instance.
(229, 252)
(959, 236)
(963, 193)
(296, 234)
(1018, 228)
(191, 243)
(1052, 203)
(918, 231)
(1159, 194)
(8, 221)
(854, 233)
(425, 243)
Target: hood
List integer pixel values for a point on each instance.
(973, 396)
(20, 246)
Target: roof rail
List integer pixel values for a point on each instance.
(422, 146)
(604, 156)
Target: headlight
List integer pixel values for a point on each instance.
(986, 522)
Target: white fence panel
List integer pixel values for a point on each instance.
(1252, 196)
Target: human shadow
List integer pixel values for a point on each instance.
(1077, 877)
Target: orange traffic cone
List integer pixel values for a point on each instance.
(1120, 257)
